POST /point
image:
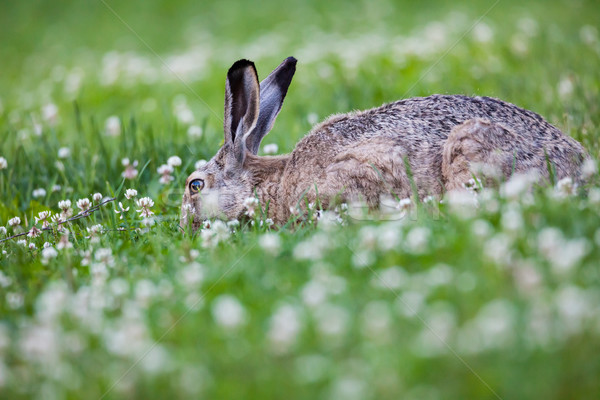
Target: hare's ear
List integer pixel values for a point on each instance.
(242, 96)
(272, 92)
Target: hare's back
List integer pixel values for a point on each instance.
(432, 118)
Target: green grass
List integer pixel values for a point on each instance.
(498, 301)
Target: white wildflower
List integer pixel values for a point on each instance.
(50, 113)
(84, 204)
(228, 312)
(56, 188)
(174, 161)
(22, 242)
(129, 193)
(271, 148)
(43, 217)
(250, 204)
(39, 192)
(144, 205)
(64, 152)
(32, 246)
(199, 164)
(130, 169)
(483, 33)
(14, 221)
(112, 126)
(565, 88)
(96, 197)
(165, 171)
(284, 327)
(270, 242)
(588, 169)
(518, 184)
(3, 163)
(565, 188)
(122, 210)
(332, 320)
(392, 278)
(417, 239)
(48, 253)
(194, 131)
(95, 231)
(2, 230)
(34, 232)
(64, 243)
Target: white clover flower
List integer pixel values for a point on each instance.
(94, 231)
(59, 166)
(32, 246)
(112, 126)
(518, 184)
(3, 163)
(228, 312)
(250, 204)
(270, 148)
(39, 192)
(165, 171)
(64, 205)
(404, 204)
(104, 256)
(174, 161)
(565, 188)
(22, 242)
(2, 230)
(14, 221)
(84, 204)
(483, 33)
(332, 320)
(122, 210)
(34, 232)
(200, 163)
(64, 243)
(49, 252)
(194, 131)
(144, 205)
(96, 197)
(56, 188)
(130, 169)
(64, 152)
(129, 193)
(270, 242)
(588, 168)
(284, 326)
(50, 113)
(417, 239)
(42, 218)
(565, 88)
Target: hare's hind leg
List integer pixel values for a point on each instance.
(478, 145)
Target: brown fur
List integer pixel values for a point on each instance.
(432, 143)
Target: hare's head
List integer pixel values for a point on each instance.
(219, 188)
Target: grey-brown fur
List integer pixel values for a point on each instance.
(365, 154)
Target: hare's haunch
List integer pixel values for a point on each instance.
(433, 143)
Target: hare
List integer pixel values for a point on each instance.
(429, 145)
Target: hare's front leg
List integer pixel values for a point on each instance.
(478, 145)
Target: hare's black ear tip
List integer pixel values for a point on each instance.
(240, 64)
(291, 60)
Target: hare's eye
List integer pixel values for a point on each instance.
(196, 185)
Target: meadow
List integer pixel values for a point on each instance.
(105, 109)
